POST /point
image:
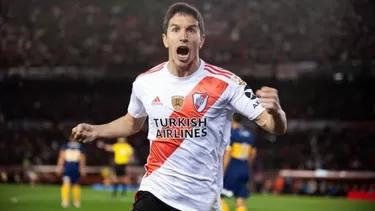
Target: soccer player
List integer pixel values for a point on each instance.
(71, 164)
(242, 153)
(123, 153)
(188, 103)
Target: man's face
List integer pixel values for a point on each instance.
(183, 39)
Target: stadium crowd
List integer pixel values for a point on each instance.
(347, 149)
(120, 34)
(64, 100)
(57, 103)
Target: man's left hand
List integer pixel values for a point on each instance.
(269, 99)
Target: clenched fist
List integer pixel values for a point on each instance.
(84, 132)
(269, 99)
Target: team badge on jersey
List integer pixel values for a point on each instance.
(177, 102)
(238, 80)
(250, 94)
(200, 101)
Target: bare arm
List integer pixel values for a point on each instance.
(108, 148)
(274, 122)
(251, 158)
(123, 126)
(263, 107)
(273, 119)
(82, 165)
(60, 163)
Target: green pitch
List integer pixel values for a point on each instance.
(47, 198)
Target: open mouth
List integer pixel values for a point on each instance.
(183, 52)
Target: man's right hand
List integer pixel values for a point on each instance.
(84, 132)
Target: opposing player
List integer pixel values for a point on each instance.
(242, 152)
(188, 103)
(72, 165)
(123, 153)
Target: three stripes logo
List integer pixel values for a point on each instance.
(156, 101)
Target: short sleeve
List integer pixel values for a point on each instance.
(243, 100)
(136, 108)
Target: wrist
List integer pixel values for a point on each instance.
(279, 121)
(97, 131)
(276, 112)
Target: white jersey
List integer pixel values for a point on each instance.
(189, 127)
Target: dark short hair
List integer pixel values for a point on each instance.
(237, 117)
(184, 8)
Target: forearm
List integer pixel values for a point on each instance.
(108, 148)
(123, 126)
(82, 165)
(275, 123)
(60, 163)
(279, 122)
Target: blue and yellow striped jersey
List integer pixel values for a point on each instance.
(73, 152)
(242, 144)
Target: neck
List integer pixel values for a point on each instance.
(183, 71)
(236, 125)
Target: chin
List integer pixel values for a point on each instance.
(182, 63)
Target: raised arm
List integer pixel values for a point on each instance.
(273, 119)
(263, 107)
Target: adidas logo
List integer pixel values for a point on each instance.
(156, 101)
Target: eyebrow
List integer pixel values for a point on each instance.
(175, 25)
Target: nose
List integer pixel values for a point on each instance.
(183, 37)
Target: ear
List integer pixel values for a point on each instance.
(203, 38)
(165, 41)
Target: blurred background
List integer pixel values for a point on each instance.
(72, 61)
